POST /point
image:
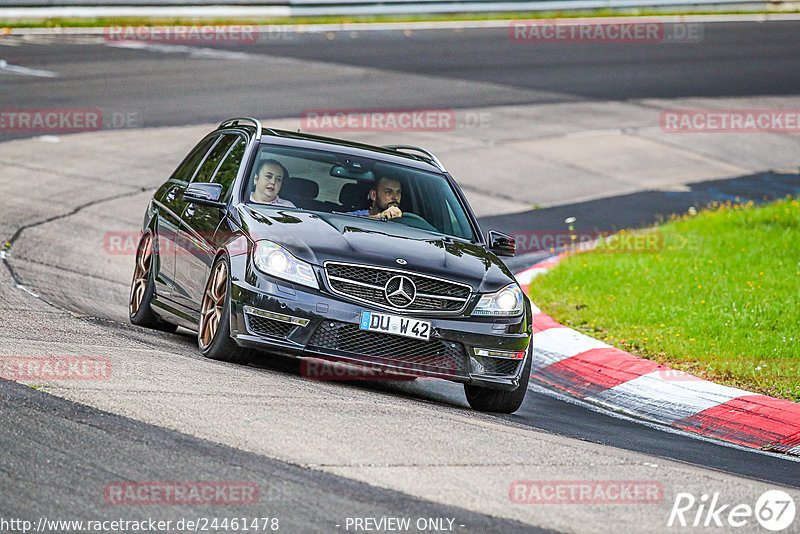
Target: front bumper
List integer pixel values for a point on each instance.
(281, 317)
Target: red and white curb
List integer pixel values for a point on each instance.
(591, 370)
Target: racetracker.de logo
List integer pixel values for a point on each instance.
(378, 120)
(314, 369)
(674, 375)
(625, 241)
(55, 368)
(618, 30)
(66, 120)
(125, 243)
(586, 492)
(183, 34)
(51, 120)
(730, 121)
(180, 493)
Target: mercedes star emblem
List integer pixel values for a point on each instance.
(400, 291)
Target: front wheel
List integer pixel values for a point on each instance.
(495, 400)
(213, 334)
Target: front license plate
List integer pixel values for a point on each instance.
(394, 324)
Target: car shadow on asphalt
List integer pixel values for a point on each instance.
(434, 390)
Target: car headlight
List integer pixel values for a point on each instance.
(507, 301)
(275, 260)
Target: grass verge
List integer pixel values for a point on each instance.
(718, 295)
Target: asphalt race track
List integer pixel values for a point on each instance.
(323, 452)
(389, 69)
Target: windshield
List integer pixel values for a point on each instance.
(330, 182)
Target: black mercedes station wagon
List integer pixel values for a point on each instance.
(321, 248)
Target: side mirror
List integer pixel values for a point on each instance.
(501, 244)
(204, 193)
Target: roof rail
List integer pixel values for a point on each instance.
(235, 122)
(429, 154)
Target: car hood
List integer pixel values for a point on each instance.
(318, 237)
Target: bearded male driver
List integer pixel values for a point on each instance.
(268, 181)
(385, 196)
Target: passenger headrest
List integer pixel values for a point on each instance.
(354, 196)
(300, 187)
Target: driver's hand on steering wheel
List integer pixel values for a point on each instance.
(390, 213)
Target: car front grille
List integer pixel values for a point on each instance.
(268, 327)
(349, 340)
(367, 284)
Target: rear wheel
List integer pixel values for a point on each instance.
(495, 400)
(213, 335)
(143, 289)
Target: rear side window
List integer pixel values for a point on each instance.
(186, 169)
(214, 158)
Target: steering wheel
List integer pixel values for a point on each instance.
(415, 221)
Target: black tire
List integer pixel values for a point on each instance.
(220, 346)
(143, 289)
(499, 401)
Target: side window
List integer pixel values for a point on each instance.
(186, 169)
(209, 166)
(227, 171)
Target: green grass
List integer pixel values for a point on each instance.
(341, 19)
(720, 299)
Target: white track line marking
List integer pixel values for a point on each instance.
(26, 290)
(194, 52)
(25, 71)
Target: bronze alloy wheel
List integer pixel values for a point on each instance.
(141, 274)
(213, 304)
